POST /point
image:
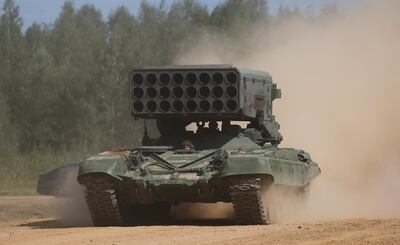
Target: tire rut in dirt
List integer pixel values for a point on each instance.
(247, 200)
(105, 206)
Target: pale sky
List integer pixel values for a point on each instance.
(46, 11)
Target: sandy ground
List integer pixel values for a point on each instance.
(31, 220)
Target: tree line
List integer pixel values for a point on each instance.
(64, 84)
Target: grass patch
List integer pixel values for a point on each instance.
(19, 172)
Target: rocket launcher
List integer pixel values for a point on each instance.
(204, 93)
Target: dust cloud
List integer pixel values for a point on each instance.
(72, 209)
(340, 79)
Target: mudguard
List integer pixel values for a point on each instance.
(59, 182)
(286, 166)
(247, 165)
(111, 165)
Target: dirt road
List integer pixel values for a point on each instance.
(31, 220)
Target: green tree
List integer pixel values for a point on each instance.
(185, 22)
(235, 16)
(34, 123)
(123, 54)
(11, 38)
(78, 42)
(12, 54)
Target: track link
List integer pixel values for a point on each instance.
(105, 206)
(247, 199)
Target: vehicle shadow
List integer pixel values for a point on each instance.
(60, 224)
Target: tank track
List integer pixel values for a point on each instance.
(106, 208)
(247, 199)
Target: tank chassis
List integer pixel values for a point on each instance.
(219, 161)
